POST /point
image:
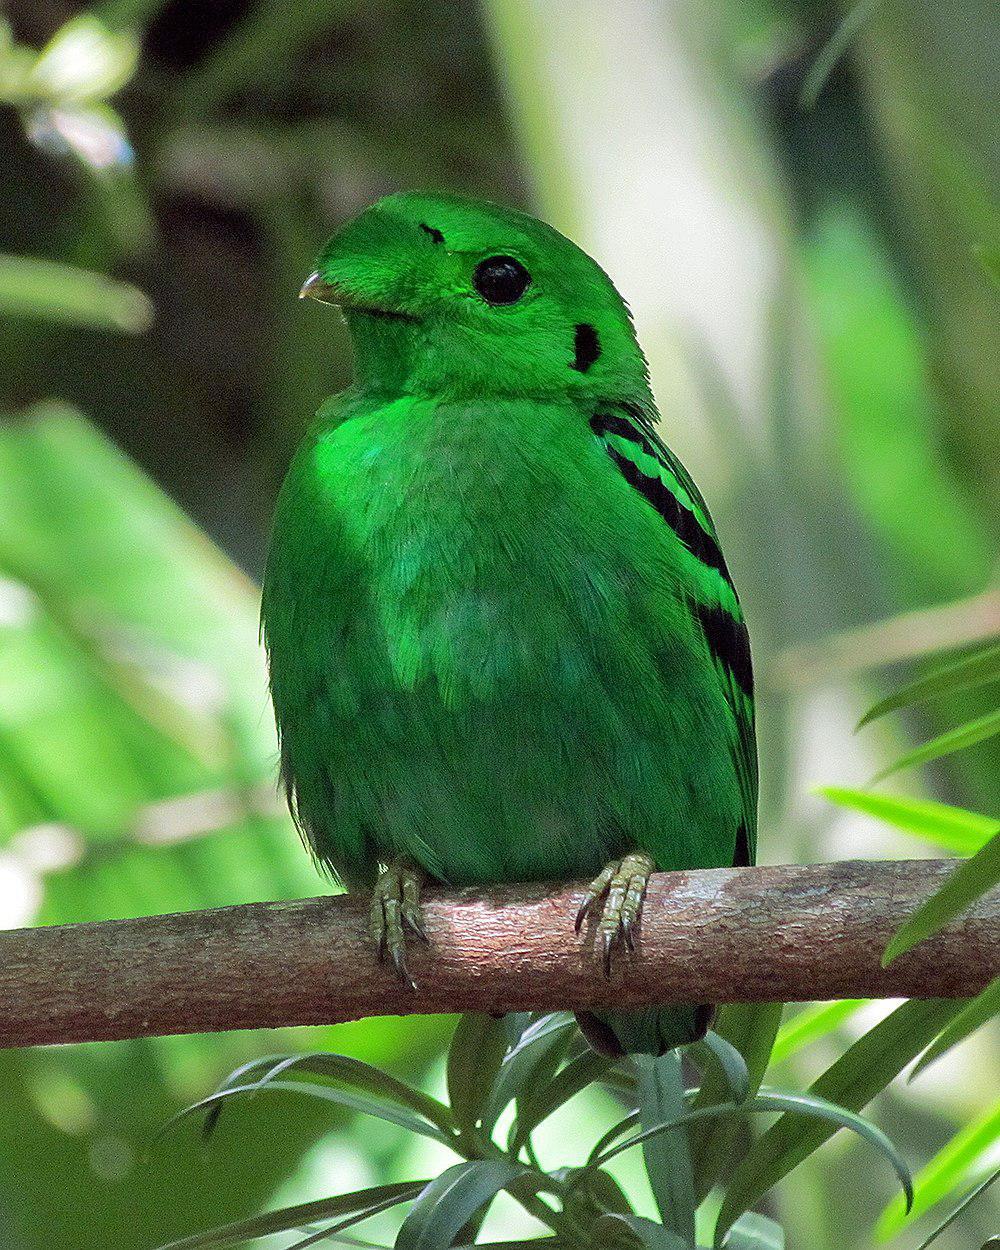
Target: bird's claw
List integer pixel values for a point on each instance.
(624, 883)
(395, 904)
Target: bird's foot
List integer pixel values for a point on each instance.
(622, 885)
(395, 904)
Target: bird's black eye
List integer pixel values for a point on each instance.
(501, 279)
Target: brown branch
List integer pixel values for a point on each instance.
(725, 935)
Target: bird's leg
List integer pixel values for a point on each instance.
(395, 904)
(624, 883)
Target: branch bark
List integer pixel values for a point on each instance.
(722, 935)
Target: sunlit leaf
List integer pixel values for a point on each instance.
(863, 1071)
(295, 1217)
(477, 1050)
(812, 1023)
(951, 828)
(967, 673)
(968, 882)
(48, 289)
(981, 1010)
(451, 1199)
(667, 1158)
(976, 731)
(993, 1243)
(948, 1170)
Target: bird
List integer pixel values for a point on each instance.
(503, 642)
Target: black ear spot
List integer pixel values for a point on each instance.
(433, 231)
(586, 347)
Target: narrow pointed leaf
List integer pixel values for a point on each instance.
(646, 1233)
(951, 828)
(968, 735)
(330, 1230)
(812, 1023)
(947, 1171)
(978, 669)
(667, 1156)
(833, 51)
(751, 1028)
(532, 1061)
(970, 1197)
(755, 1232)
(863, 1071)
(451, 1199)
(612, 1135)
(364, 1076)
(477, 1050)
(807, 1106)
(979, 1011)
(713, 1049)
(968, 882)
(297, 1216)
(344, 1098)
(580, 1072)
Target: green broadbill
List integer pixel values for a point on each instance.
(504, 644)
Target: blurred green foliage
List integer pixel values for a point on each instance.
(170, 169)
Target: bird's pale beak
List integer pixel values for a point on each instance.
(316, 287)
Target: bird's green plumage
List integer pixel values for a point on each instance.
(502, 639)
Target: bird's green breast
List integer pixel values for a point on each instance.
(482, 651)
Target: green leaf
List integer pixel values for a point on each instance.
(716, 1050)
(946, 1171)
(971, 671)
(751, 1028)
(969, 881)
(539, 1104)
(812, 1023)
(390, 1111)
(755, 1232)
(451, 1199)
(970, 1197)
(477, 1050)
(979, 1011)
(863, 1071)
(295, 1217)
(361, 1075)
(613, 1133)
(667, 1155)
(833, 51)
(647, 1233)
(975, 731)
(53, 291)
(531, 1062)
(949, 827)
(826, 1114)
(329, 1232)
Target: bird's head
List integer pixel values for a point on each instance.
(456, 297)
